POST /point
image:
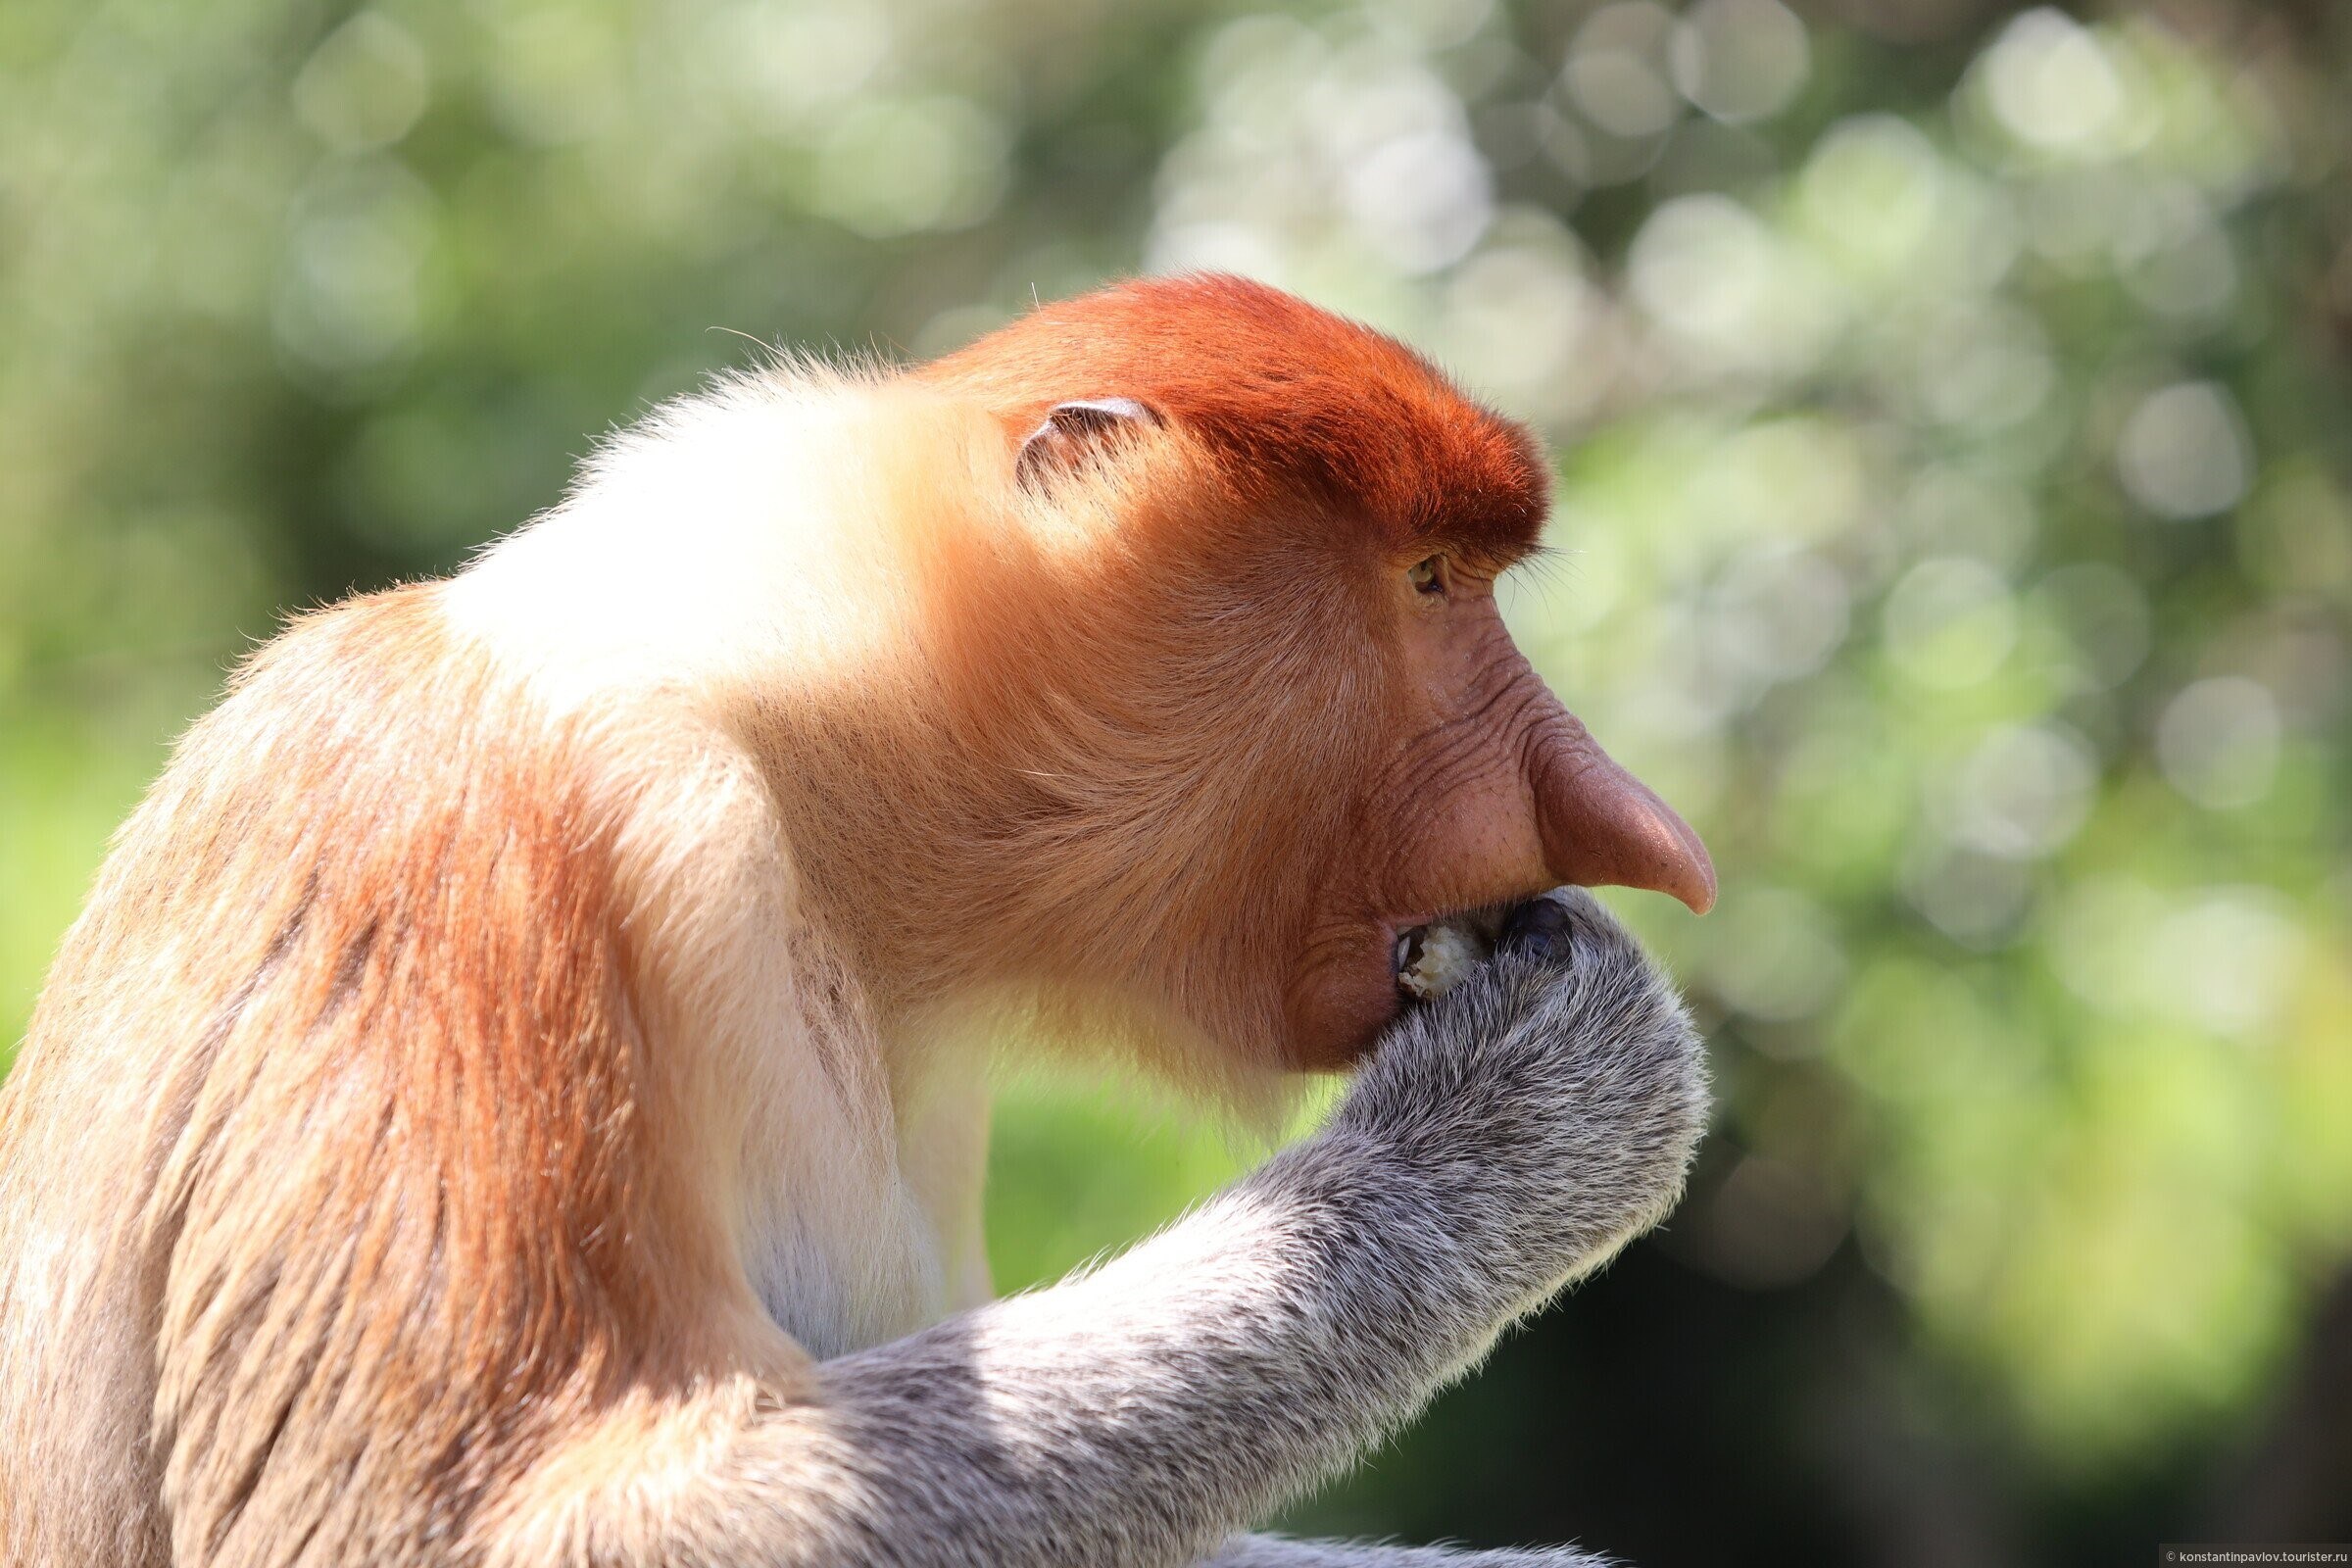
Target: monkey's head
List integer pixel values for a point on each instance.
(1278, 715)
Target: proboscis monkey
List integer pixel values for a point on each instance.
(513, 1097)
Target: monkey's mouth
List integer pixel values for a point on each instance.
(1430, 959)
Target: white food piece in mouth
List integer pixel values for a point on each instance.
(1433, 959)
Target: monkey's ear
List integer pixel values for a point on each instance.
(1073, 430)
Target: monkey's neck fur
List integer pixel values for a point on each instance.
(736, 681)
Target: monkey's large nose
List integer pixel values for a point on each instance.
(1604, 827)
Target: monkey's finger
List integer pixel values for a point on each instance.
(1541, 928)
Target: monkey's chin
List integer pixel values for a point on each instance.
(1340, 1006)
(1357, 987)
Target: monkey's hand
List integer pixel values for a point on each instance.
(1523, 1127)
(1543, 1111)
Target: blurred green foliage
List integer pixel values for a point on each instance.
(1955, 520)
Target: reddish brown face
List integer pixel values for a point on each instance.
(1492, 792)
(1342, 445)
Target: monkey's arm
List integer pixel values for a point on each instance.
(1498, 1144)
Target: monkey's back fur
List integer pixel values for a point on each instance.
(354, 975)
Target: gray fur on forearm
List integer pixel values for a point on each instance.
(1278, 1552)
(1499, 1144)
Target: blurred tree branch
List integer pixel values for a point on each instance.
(2296, 1483)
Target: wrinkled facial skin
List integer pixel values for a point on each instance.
(1491, 792)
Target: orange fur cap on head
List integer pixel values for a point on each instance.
(1290, 397)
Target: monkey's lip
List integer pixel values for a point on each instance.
(1390, 935)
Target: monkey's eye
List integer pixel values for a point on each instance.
(1428, 576)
